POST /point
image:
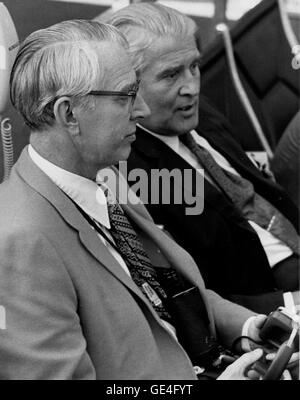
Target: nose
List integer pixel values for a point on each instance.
(191, 85)
(140, 108)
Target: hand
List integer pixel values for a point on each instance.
(255, 327)
(241, 368)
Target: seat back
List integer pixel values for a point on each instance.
(9, 44)
(264, 59)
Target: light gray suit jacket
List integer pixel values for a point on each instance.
(71, 311)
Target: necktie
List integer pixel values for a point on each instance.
(137, 260)
(187, 309)
(188, 312)
(242, 193)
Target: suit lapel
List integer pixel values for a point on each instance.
(225, 145)
(40, 182)
(161, 156)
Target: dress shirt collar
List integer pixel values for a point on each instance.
(84, 192)
(171, 141)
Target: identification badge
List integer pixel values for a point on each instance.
(151, 294)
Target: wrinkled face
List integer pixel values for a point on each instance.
(170, 86)
(108, 130)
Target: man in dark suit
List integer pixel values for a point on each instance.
(286, 161)
(245, 241)
(80, 296)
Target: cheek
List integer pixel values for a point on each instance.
(158, 97)
(161, 104)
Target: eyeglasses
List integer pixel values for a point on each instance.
(131, 93)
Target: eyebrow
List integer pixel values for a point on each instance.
(198, 58)
(168, 71)
(128, 86)
(175, 68)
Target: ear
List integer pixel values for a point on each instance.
(64, 115)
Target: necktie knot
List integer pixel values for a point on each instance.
(188, 140)
(110, 198)
(111, 201)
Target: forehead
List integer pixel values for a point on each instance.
(117, 67)
(170, 52)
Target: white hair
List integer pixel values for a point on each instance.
(143, 23)
(59, 60)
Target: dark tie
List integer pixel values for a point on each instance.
(242, 193)
(135, 257)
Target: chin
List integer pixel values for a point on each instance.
(185, 128)
(186, 125)
(125, 154)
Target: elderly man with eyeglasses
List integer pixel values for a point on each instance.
(82, 277)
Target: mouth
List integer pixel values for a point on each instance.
(188, 110)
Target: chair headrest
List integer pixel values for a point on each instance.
(9, 45)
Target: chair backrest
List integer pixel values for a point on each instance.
(9, 44)
(264, 60)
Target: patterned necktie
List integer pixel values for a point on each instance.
(135, 257)
(243, 195)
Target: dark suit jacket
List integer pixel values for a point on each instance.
(71, 311)
(286, 162)
(223, 244)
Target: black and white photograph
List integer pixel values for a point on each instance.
(150, 193)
